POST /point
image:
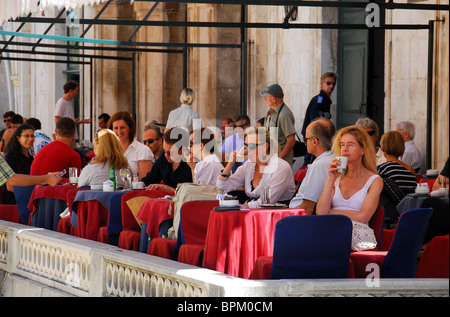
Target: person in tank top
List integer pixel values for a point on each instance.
(355, 192)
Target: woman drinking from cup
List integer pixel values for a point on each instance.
(108, 152)
(139, 156)
(262, 169)
(19, 155)
(355, 192)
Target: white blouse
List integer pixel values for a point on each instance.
(138, 152)
(207, 170)
(277, 175)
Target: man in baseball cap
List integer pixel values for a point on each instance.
(280, 117)
(273, 90)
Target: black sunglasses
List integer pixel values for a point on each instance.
(331, 83)
(252, 146)
(7, 120)
(150, 141)
(371, 133)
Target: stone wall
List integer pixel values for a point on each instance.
(38, 262)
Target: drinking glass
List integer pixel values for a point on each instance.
(73, 175)
(265, 195)
(127, 178)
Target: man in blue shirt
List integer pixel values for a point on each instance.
(319, 106)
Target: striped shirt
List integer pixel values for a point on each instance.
(404, 179)
(5, 171)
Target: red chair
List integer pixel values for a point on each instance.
(434, 262)
(300, 174)
(401, 259)
(130, 235)
(64, 225)
(162, 247)
(376, 223)
(89, 227)
(193, 228)
(8, 212)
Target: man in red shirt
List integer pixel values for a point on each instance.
(58, 155)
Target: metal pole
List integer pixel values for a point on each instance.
(429, 137)
(243, 61)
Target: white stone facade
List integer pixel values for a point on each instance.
(295, 58)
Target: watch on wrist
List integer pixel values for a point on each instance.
(224, 175)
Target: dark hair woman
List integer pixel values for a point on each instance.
(19, 155)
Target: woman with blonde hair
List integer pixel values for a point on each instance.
(263, 168)
(108, 152)
(184, 115)
(356, 191)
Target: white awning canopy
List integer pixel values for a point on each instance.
(11, 9)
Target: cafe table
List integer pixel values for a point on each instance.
(46, 204)
(412, 201)
(235, 239)
(153, 212)
(93, 209)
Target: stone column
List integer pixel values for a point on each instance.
(113, 78)
(158, 75)
(215, 73)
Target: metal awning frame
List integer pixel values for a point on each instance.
(133, 47)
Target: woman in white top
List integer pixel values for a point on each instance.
(139, 156)
(108, 152)
(204, 163)
(355, 192)
(184, 115)
(263, 168)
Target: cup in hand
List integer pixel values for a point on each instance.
(265, 195)
(73, 175)
(342, 163)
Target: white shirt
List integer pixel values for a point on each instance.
(314, 181)
(411, 156)
(64, 108)
(277, 175)
(135, 153)
(40, 141)
(96, 174)
(207, 170)
(182, 117)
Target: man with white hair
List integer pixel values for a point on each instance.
(411, 156)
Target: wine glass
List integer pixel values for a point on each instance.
(125, 174)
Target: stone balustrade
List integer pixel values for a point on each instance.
(39, 262)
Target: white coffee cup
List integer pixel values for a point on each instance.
(138, 185)
(342, 163)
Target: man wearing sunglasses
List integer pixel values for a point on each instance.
(319, 106)
(153, 139)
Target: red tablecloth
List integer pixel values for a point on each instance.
(153, 212)
(235, 239)
(45, 191)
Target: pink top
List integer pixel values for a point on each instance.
(353, 203)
